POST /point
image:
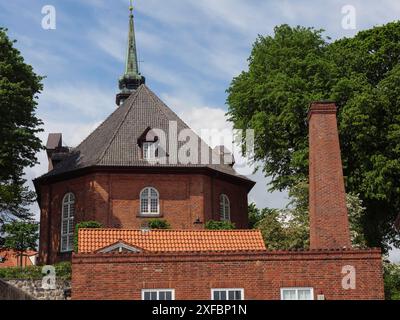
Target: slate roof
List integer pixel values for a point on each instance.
(114, 142)
(92, 240)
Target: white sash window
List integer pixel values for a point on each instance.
(67, 222)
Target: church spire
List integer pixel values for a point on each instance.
(132, 78)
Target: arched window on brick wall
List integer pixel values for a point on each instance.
(224, 207)
(149, 201)
(67, 222)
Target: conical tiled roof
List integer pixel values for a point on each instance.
(115, 142)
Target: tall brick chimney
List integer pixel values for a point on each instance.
(329, 223)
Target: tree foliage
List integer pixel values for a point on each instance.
(20, 236)
(19, 87)
(392, 280)
(285, 229)
(298, 65)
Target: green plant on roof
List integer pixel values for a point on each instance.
(158, 224)
(84, 225)
(219, 225)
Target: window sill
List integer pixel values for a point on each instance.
(159, 215)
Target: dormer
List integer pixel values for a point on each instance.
(120, 247)
(149, 145)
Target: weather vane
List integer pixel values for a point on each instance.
(131, 5)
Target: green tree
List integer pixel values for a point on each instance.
(392, 280)
(288, 228)
(20, 236)
(298, 65)
(19, 87)
(255, 215)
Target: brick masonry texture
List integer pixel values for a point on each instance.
(113, 200)
(329, 226)
(192, 275)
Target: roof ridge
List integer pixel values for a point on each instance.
(169, 230)
(131, 103)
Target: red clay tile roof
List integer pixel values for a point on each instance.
(91, 240)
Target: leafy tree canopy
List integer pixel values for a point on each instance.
(391, 274)
(19, 87)
(20, 236)
(296, 66)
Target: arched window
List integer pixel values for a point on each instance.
(149, 201)
(67, 222)
(224, 207)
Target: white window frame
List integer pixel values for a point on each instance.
(149, 150)
(70, 202)
(158, 293)
(227, 292)
(224, 207)
(149, 198)
(297, 291)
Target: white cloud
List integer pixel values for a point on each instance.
(74, 101)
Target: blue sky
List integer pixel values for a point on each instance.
(189, 51)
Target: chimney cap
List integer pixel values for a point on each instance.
(54, 141)
(324, 106)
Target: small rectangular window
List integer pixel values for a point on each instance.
(150, 150)
(297, 294)
(227, 294)
(158, 294)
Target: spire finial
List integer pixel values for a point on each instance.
(131, 79)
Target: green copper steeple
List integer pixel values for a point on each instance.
(132, 78)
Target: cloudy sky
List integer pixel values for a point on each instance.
(189, 51)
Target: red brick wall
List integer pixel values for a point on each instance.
(329, 226)
(192, 275)
(113, 200)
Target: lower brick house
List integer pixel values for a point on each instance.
(11, 258)
(307, 275)
(234, 265)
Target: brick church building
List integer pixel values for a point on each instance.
(128, 171)
(115, 178)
